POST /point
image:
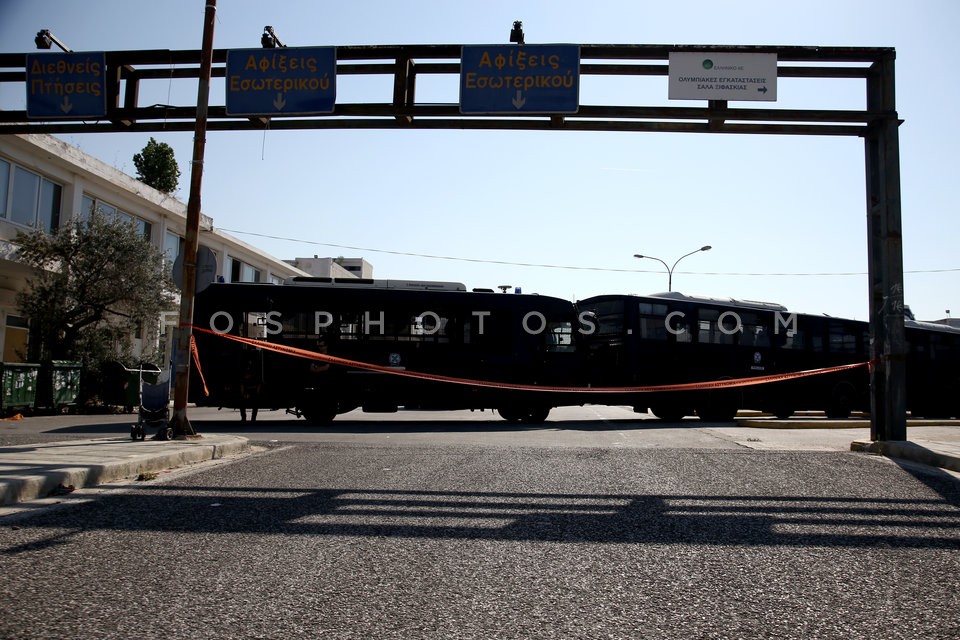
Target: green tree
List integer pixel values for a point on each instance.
(157, 167)
(96, 283)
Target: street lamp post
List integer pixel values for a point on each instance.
(668, 267)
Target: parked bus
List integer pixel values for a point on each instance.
(434, 328)
(677, 339)
(933, 369)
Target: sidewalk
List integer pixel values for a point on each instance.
(935, 443)
(38, 470)
(933, 453)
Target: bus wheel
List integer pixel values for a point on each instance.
(668, 413)
(320, 414)
(841, 402)
(526, 415)
(782, 412)
(510, 414)
(717, 414)
(536, 415)
(717, 408)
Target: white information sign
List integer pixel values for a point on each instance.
(723, 76)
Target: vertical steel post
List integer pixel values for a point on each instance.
(888, 417)
(180, 424)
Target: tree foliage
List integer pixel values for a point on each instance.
(157, 167)
(97, 281)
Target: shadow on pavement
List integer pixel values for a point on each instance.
(794, 521)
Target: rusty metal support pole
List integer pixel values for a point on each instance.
(180, 424)
(888, 413)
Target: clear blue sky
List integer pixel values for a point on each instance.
(767, 204)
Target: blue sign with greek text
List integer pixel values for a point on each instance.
(500, 79)
(281, 82)
(66, 85)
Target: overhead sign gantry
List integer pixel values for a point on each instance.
(275, 94)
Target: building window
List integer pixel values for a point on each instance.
(4, 186)
(242, 272)
(16, 339)
(29, 199)
(172, 247)
(113, 213)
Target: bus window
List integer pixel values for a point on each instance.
(817, 343)
(937, 347)
(350, 323)
(710, 330)
(652, 322)
(610, 318)
(305, 324)
(488, 331)
(753, 334)
(559, 337)
(679, 326)
(795, 340)
(429, 327)
(254, 325)
(842, 341)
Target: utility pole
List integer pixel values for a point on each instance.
(180, 424)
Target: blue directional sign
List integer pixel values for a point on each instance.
(500, 79)
(281, 82)
(66, 85)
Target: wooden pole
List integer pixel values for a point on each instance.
(180, 423)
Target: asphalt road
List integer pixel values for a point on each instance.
(367, 534)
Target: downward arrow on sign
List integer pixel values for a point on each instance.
(519, 101)
(66, 106)
(279, 103)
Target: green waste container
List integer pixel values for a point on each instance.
(58, 384)
(18, 384)
(122, 384)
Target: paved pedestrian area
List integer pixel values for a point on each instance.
(47, 469)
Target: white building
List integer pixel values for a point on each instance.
(334, 267)
(45, 182)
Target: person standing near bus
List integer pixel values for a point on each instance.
(250, 382)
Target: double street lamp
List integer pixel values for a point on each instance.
(669, 268)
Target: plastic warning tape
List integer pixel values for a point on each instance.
(688, 386)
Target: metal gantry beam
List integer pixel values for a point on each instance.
(128, 70)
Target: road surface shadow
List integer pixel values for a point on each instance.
(722, 520)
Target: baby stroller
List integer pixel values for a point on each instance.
(154, 411)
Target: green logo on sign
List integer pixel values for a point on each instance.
(708, 64)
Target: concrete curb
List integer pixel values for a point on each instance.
(827, 423)
(822, 423)
(34, 471)
(907, 450)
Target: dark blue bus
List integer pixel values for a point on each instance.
(401, 327)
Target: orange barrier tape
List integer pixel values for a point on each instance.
(688, 386)
(196, 361)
